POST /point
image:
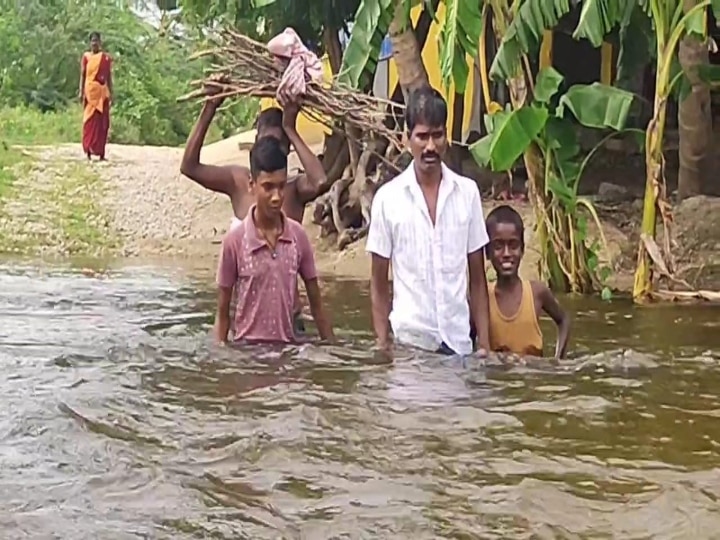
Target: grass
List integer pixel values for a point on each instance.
(51, 208)
(28, 126)
(51, 205)
(10, 160)
(81, 222)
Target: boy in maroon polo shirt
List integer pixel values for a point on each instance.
(262, 258)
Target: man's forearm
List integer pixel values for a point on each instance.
(380, 299)
(322, 322)
(191, 156)
(311, 164)
(480, 308)
(563, 337)
(222, 326)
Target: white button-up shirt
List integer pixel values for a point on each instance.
(429, 263)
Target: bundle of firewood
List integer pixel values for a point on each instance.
(241, 66)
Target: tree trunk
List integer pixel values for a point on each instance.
(344, 209)
(406, 52)
(335, 157)
(694, 119)
(456, 152)
(331, 42)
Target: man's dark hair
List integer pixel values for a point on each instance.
(425, 106)
(506, 214)
(271, 118)
(266, 156)
(95, 35)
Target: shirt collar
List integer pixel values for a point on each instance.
(408, 175)
(252, 236)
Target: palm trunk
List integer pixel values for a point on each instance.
(331, 42)
(336, 156)
(406, 51)
(694, 118)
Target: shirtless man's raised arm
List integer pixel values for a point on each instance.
(232, 180)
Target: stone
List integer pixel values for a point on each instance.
(612, 193)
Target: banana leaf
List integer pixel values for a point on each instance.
(512, 136)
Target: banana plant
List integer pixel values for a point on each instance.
(643, 26)
(670, 22)
(460, 36)
(568, 260)
(375, 19)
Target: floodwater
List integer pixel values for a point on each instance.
(120, 420)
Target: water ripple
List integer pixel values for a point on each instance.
(122, 420)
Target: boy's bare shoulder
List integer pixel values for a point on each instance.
(540, 289)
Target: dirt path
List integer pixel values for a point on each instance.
(138, 205)
(147, 209)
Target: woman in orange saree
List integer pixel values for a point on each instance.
(95, 95)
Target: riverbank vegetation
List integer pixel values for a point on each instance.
(51, 206)
(39, 77)
(529, 114)
(534, 116)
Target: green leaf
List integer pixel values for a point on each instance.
(561, 137)
(695, 23)
(459, 36)
(637, 46)
(570, 171)
(372, 21)
(597, 105)
(524, 34)
(480, 150)
(599, 17)
(640, 139)
(709, 73)
(512, 135)
(491, 121)
(681, 86)
(547, 84)
(715, 6)
(561, 191)
(606, 294)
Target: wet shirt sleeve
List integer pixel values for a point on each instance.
(306, 266)
(379, 239)
(477, 235)
(227, 272)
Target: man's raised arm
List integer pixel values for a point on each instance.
(220, 179)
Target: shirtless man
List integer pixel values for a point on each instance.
(234, 180)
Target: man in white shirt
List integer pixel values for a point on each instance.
(428, 222)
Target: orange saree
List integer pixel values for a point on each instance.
(96, 114)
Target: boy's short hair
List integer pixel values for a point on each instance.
(506, 214)
(425, 106)
(267, 156)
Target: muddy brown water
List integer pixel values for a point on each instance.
(120, 420)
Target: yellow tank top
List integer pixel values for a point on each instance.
(519, 333)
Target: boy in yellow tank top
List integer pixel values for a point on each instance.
(515, 303)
